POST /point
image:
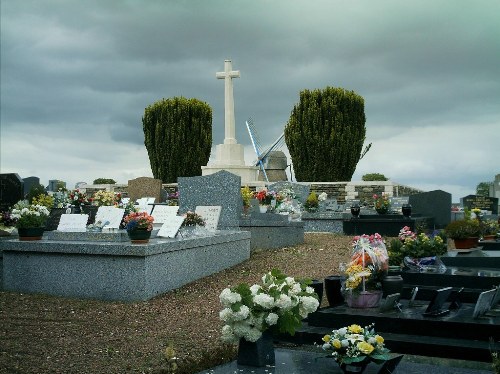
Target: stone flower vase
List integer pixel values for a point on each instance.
(259, 353)
(392, 284)
(333, 290)
(263, 208)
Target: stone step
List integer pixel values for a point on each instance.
(422, 345)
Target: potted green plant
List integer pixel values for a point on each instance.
(30, 220)
(464, 232)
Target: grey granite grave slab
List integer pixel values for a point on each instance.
(435, 204)
(117, 236)
(118, 270)
(270, 230)
(218, 189)
(11, 190)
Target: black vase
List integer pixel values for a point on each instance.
(392, 284)
(355, 211)
(333, 290)
(259, 353)
(318, 288)
(406, 210)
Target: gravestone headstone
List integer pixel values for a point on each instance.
(11, 190)
(52, 187)
(481, 202)
(301, 191)
(435, 204)
(221, 188)
(397, 202)
(30, 182)
(144, 187)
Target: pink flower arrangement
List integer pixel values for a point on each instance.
(138, 220)
(405, 233)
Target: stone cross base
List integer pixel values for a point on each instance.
(229, 154)
(248, 174)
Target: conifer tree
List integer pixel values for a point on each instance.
(325, 134)
(178, 137)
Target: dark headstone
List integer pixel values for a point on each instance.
(30, 182)
(481, 202)
(11, 190)
(52, 185)
(218, 189)
(435, 204)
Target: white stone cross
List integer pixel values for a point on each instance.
(228, 75)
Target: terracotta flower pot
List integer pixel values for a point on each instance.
(466, 243)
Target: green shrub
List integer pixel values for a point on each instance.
(374, 177)
(104, 181)
(312, 202)
(463, 228)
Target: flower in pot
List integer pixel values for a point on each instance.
(246, 196)
(29, 215)
(78, 197)
(61, 199)
(139, 226)
(30, 219)
(265, 197)
(355, 345)
(364, 273)
(381, 203)
(278, 303)
(462, 229)
(417, 247)
(312, 203)
(138, 221)
(105, 198)
(464, 232)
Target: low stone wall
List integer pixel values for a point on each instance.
(118, 270)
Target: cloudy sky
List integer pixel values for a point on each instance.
(77, 75)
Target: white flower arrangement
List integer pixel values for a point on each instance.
(356, 344)
(322, 196)
(29, 215)
(280, 303)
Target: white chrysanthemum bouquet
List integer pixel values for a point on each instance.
(355, 344)
(280, 303)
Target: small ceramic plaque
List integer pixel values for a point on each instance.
(73, 222)
(211, 216)
(170, 228)
(110, 214)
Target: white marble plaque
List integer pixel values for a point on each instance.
(163, 213)
(170, 228)
(145, 204)
(73, 222)
(110, 214)
(211, 216)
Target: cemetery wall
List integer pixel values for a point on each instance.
(343, 190)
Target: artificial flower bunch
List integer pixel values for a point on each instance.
(193, 219)
(61, 198)
(265, 197)
(28, 215)
(246, 196)
(381, 201)
(279, 303)
(369, 262)
(106, 198)
(77, 197)
(355, 344)
(138, 220)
